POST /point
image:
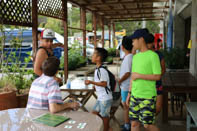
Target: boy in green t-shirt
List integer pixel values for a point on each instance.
(146, 70)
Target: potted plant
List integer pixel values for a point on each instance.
(7, 95)
(18, 74)
(14, 83)
(175, 59)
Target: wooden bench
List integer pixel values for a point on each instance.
(191, 114)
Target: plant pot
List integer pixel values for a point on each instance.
(8, 100)
(22, 100)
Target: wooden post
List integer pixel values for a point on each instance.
(114, 37)
(94, 29)
(109, 27)
(103, 32)
(34, 26)
(64, 6)
(83, 26)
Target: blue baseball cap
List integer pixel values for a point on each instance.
(139, 33)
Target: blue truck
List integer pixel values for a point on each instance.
(25, 51)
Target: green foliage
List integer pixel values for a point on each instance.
(74, 21)
(153, 26)
(109, 59)
(75, 58)
(14, 73)
(54, 24)
(130, 26)
(111, 52)
(175, 58)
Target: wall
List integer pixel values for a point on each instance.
(179, 32)
(193, 51)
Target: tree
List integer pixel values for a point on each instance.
(153, 26)
(130, 26)
(74, 21)
(55, 24)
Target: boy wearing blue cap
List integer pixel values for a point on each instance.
(146, 70)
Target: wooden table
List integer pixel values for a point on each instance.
(176, 82)
(20, 119)
(191, 113)
(79, 92)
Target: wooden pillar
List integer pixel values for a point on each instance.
(35, 26)
(109, 27)
(94, 29)
(64, 6)
(114, 37)
(103, 32)
(83, 26)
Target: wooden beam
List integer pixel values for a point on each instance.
(103, 1)
(109, 27)
(103, 32)
(148, 19)
(131, 17)
(114, 36)
(94, 28)
(123, 2)
(142, 13)
(83, 26)
(79, 5)
(134, 9)
(5, 22)
(35, 26)
(64, 7)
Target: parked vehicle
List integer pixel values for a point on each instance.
(24, 39)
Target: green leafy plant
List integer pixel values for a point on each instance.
(13, 71)
(175, 58)
(109, 59)
(75, 58)
(111, 52)
(17, 73)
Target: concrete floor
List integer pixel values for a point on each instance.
(178, 125)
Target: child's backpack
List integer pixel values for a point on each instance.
(114, 87)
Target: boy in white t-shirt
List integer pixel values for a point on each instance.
(101, 82)
(124, 78)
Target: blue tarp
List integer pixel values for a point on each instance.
(170, 31)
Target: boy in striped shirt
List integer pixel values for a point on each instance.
(45, 92)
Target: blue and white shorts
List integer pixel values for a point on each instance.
(103, 107)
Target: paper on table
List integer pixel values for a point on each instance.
(51, 119)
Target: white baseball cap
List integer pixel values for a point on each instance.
(47, 34)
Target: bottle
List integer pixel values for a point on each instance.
(86, 86)
(68, 84)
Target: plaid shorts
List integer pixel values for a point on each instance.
(142, 110)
